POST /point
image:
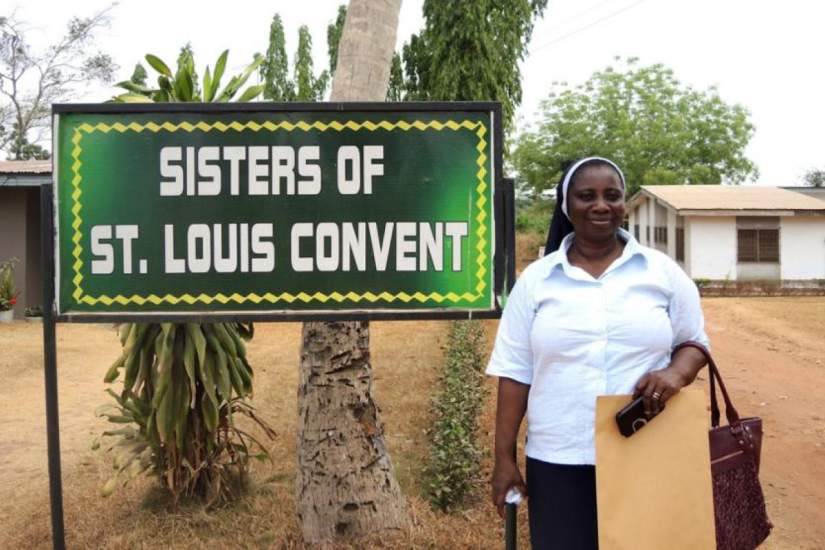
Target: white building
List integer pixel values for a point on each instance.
(733, 233)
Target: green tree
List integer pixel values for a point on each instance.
(139, 75)
(657, 129)
(20, 148)
(416, 69)
(334, 31)
(275, 69)
(471, 51)
(30, 80)
(814, 178)
(395, 90)
(303, 85)
(183, 383)
(308, 87)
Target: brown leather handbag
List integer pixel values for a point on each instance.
(739, 504)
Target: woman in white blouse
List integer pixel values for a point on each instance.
(598, 315)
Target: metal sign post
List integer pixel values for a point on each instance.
(246, 212)
(50, 368)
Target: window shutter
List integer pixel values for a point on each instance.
(747, 245)
(680, 244)
(768, 245)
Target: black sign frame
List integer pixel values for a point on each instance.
(503, 261)
(503, 203)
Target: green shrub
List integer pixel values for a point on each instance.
(701, 282)
(534, 216)
(34, 311)
(8, 294)
(523, 222)
(452, 468)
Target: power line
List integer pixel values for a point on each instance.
(586, 27)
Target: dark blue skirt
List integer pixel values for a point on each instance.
(562, 506)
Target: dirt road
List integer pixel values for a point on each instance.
(771, 351)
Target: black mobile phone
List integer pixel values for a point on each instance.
(632, 417)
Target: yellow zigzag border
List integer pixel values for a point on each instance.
(476, 126)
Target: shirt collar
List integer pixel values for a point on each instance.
(559, 257)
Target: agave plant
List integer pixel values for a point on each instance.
(182, 85)
(184, 383)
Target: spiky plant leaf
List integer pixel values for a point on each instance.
(158, 64)
(251, 93)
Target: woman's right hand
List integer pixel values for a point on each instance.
(505, 476)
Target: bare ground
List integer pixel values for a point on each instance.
(771, 351)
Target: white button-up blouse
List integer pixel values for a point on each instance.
(572, 337)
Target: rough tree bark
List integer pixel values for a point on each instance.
(346, 485)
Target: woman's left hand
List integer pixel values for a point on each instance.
(657, 387)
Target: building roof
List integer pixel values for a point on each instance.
(25, 166)
(25, 173)
(730, 198)
(815, 192)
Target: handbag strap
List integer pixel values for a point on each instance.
(730, 411)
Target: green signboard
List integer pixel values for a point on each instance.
(316, 210)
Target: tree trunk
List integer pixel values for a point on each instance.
(365, 51)
(345, 484)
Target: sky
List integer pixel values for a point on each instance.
(764, 55)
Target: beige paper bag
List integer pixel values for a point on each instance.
(654, 488)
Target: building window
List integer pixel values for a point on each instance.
(758, 245)
(636, 231)
(660, 235)
(680, 244)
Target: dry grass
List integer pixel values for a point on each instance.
(747, 334)
(138, 516)
(527, 248)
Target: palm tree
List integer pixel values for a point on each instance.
(346, 484)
